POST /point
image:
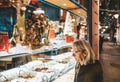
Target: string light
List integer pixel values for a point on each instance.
(116, 11)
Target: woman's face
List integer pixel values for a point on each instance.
(78, 55)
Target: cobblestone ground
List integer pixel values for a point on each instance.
(110, 60)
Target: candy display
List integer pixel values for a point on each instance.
(38, 71)
(35, 28)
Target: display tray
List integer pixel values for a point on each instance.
(45, 59)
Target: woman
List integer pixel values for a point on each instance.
(87, 69)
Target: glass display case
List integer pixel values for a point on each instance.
(40, 70)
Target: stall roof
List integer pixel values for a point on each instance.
(71, 6)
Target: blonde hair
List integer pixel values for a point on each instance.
(85, 48)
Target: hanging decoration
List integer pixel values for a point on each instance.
(69, 28)
(35, 28)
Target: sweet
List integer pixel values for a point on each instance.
(41, 69)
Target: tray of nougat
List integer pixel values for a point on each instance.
(9, 75)
(33, 64)
(64, 61)
(41, 69)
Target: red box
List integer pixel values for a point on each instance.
(69, 38)
(4, 45)
(51, 34)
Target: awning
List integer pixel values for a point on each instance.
(69, 5)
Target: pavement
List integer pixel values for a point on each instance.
(110, 60)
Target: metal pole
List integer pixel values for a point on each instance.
(89, 20)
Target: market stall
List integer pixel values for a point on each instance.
(39, 49)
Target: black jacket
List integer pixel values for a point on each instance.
(89, 73)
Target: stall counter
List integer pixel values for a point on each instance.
(68, 77)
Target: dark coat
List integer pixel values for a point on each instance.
(89, 73)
